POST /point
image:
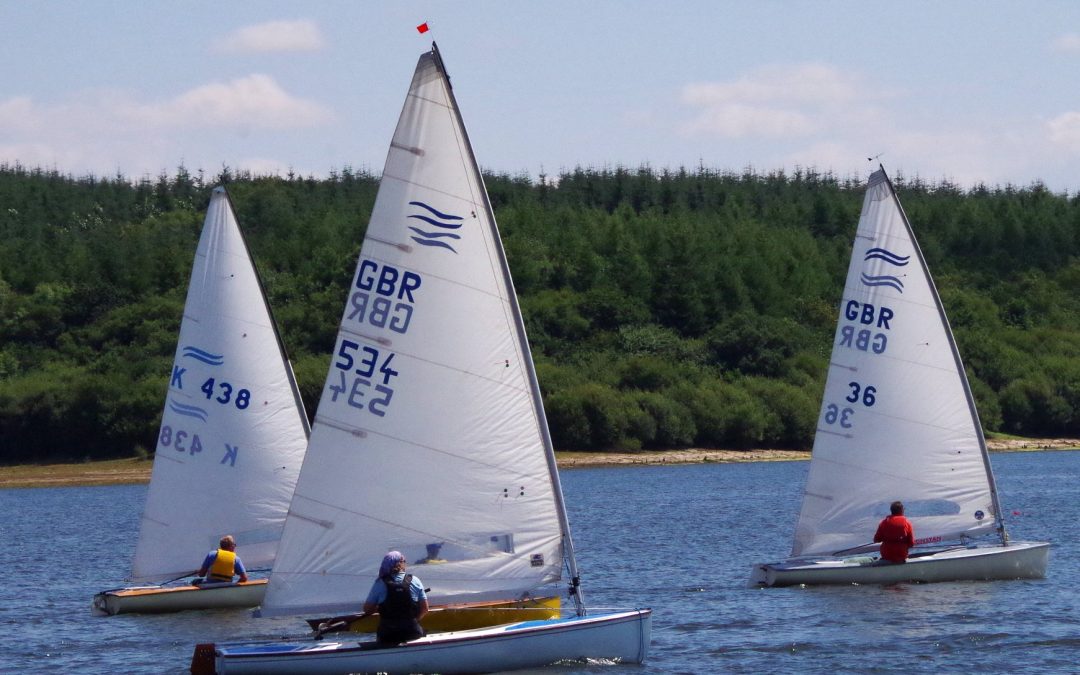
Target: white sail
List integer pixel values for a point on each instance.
(429, 430)
(234, 431)
(897, 419)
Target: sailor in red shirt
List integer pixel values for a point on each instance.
(895, 534)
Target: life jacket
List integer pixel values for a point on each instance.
(398, 607)
(397, 613)
(224, 564)
(894, 538)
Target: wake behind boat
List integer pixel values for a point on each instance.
(232, 437)
(431, 438)
(898, 422)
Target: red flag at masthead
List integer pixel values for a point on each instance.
(422, 28)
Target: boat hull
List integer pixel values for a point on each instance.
(1018, 560)
(164, 599)
(620, 636)
(443, 618)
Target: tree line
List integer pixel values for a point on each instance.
(665, 308)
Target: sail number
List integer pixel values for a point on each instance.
(215, 390)
(183, 441)
(383, 297)
(844, 416)
(379, 312)
(365, 365)
(869, 394)
(222, 392)
(180, 440)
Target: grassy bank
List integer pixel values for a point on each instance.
(110, 472)
(129, 471)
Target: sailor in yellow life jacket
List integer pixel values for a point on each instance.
(220, 565)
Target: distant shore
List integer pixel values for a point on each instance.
(135, 471)
(568, 460)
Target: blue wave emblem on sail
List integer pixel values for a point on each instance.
(883, 280)
(189, 410)
(435, 218)
(887, 256)
(204, 356)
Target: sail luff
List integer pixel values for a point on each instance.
(959, 362)
(523, 341)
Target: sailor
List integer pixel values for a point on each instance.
(400, 599)
(895, 534)
(223, 563)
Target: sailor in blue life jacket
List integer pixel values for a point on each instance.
(400, 599)
(222, 564)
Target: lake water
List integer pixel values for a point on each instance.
(679, 539)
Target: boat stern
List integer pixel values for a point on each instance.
(204, 658)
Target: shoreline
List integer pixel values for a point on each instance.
(135, 471)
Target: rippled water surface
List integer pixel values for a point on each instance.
(679, 539)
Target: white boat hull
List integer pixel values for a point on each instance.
(164, 599)
(1018, 560)
(618, 636)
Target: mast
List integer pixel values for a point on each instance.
(273, 322)
(959, 366)
(523, 342)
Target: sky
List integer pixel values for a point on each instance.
(966, 91)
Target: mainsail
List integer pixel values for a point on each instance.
(430, 437)
(233, 431)
(897, 420)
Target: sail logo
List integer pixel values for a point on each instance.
(204, 356)
(435, 218)
(889, 257)
(189, 410)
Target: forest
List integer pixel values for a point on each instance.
(665, 308)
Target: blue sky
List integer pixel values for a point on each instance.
(970, 91)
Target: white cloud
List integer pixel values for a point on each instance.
(736, 120)
(30, 154)
(263, 166)
(771, 102)
(1069, 42)
(1064, 130)
(105, 131)
(803, 83)
(274, 36)
(252, 101)
(17, 114)
(821, 117)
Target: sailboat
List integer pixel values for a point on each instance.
(431, 437)
(231, 442)
(898, 422)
